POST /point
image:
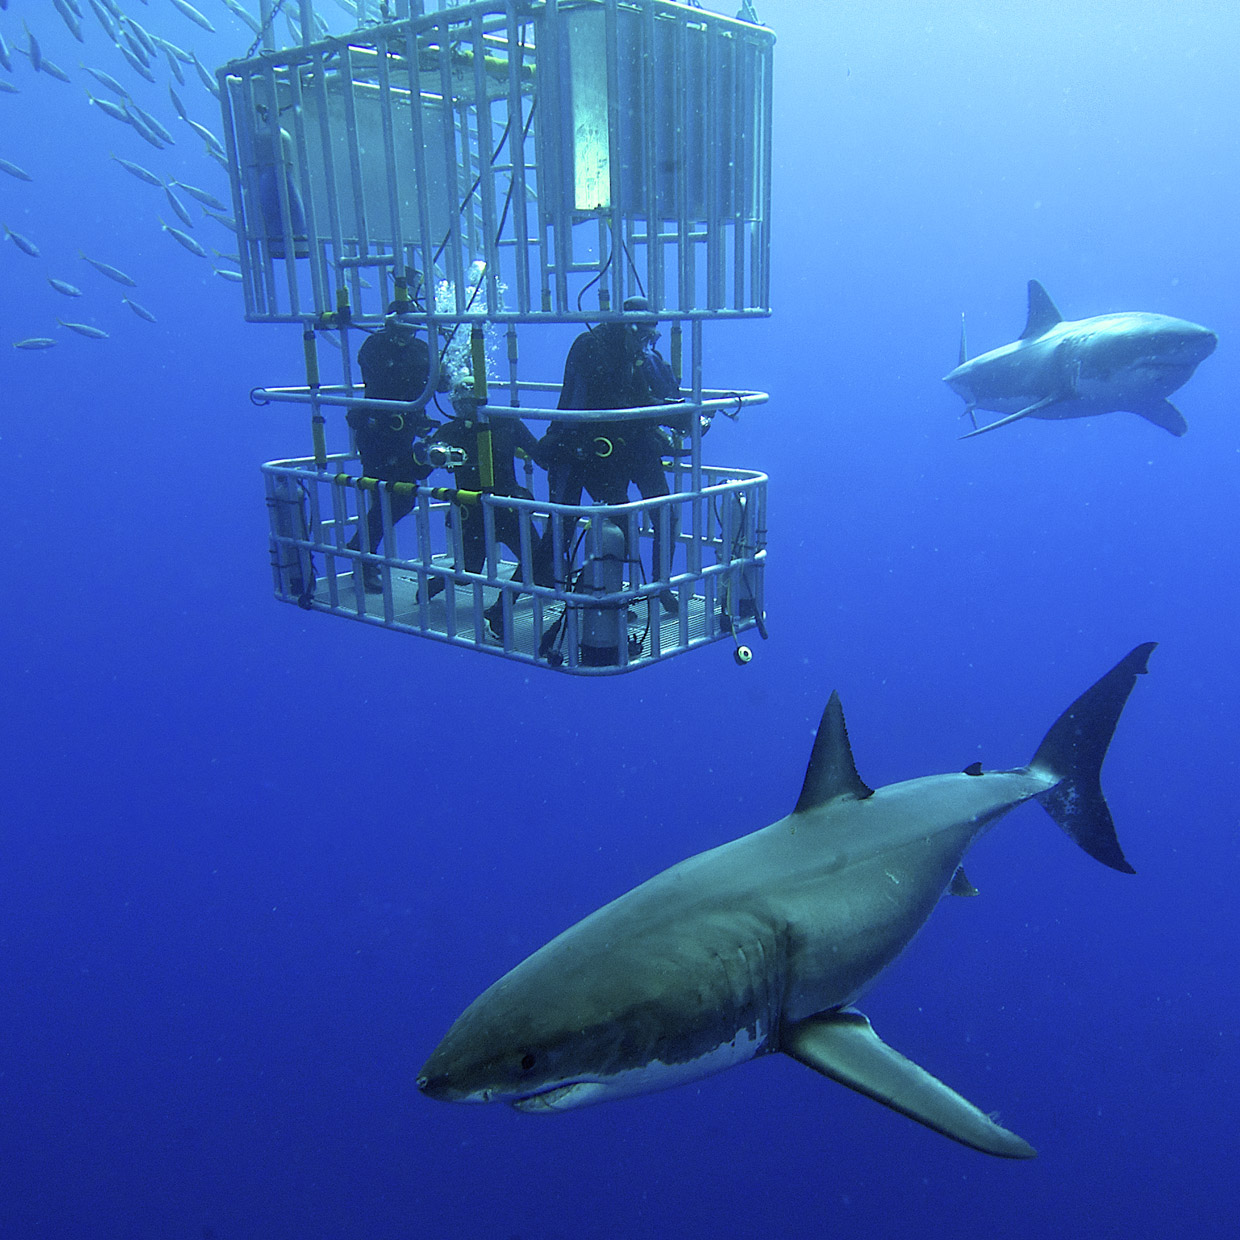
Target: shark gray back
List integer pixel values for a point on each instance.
(1061, 368)
(764, 943)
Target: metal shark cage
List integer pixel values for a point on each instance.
(487, 167)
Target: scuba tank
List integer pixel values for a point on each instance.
(602, 626)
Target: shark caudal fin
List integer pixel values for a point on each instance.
(1072, 752)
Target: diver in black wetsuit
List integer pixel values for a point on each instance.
(509, 436)
(395, 363)
(613, 366)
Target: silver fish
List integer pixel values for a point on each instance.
(138, 67)
(186, 58)
(114, 110)
(105, 19)
(139, 171)
(207, 136)
(23, 243)
(144, 131)
(22, 175)
(135, 46)
(52, 69)
(207, 200)
(142, 37)
(141, 311)
(226, 220)
(207, 80)
(176, 101)
(85, 329)
(113, 273)
(6, 58)
(233, 277)
(63, 286)
(108, 81)
(34, 342)
(153, 124)
(180, 208)
(184, 239)
(74, 8)
(32, 48)
(67, 16)
(175, 65)
(7, 87)
(240, 11)
(193, 14)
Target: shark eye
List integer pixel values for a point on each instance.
(527, 1061)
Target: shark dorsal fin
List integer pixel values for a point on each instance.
(1042, 313)
(831, 772)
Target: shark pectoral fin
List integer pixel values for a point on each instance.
(844, 1046)
(1163, 413)
(1045, 403)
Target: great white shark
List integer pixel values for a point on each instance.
(1075, 368)
(765, 943)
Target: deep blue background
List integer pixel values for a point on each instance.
(253, 862)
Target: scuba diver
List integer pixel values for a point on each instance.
(612, 366)
(395, 365)
(509, 437)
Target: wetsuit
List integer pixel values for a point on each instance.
(610, 367)
(395, 363)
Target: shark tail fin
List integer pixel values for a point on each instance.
(1072, 752)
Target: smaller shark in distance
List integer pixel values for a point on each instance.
(765, 943)
(1075, 368)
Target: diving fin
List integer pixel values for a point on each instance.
(843, 1045)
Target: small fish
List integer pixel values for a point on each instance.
(23, 243)
(207, 80)
(239, 10)
(74, 8)
(186, 58)
(184, 239)
(141, 311)
(139, 171)
(226, 220)
(220, 159)
(135, 45)
(70, 20)
(142, 37)
(113, 273)
(228, 258)
(7, 87)
(22, 175)
(213, 143)
(108, 108)
(175, 65)
(193, 14)
(153, 124)
(6, 58)
(105, 19)
(182, 211)
(233, 277)
(63, 286)
(207, 200)
(34, 342)
(52, 69)
(144, 131)
(85, 329)
(176, 99)
(135, 63)
(32, 48)
(108, 81)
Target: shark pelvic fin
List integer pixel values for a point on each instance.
(1043, 314)
(831, 772)
(1073, 750)
(844, 1046)
(960, 885)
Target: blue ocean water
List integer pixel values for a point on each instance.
(253, 862)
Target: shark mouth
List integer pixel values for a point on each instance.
(561, 1097)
